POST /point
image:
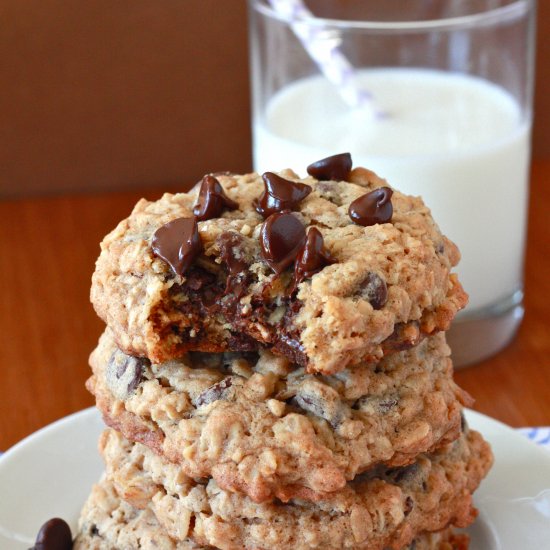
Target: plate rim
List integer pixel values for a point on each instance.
(496, 432)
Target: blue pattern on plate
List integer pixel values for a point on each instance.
(541, 436)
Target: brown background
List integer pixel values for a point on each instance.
(107, 94)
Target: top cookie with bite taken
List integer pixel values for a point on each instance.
(328, 270)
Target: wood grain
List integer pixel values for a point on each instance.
(48, 327)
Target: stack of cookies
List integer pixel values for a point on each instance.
(274, 372)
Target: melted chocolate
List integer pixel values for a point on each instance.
(336, 167)
(280, 194)
(281, 238)
(286, 339)
(372, 208)
(55, 534)
(312, 257)
(212, 200)
(231, 247)
(178, 243)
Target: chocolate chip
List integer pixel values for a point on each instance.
(404, 473)
(321, 400)
(212, 200)
(280, 194)
(336, 167)
(311, 258)
(240, 341)
(312, 404)
(374, 290)
(124, 373)
(231, 246)
(463, 423)
(135, 367)
(290, 346)
(281, 238)
(178, 243)
(409, 505)
(404, 336)
(372, 208)
(55, 534)
(213, 393)
(232, 252)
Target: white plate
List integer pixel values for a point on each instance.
(50, 474)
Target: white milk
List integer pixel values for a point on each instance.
(457, 141)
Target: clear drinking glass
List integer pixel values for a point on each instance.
(436, 97)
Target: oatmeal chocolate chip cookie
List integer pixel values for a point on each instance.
(108, 523)
(167, 282)
(385, 508)
(264, 427)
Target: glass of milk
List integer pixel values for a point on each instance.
(436, 97)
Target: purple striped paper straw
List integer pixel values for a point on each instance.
(322, 45)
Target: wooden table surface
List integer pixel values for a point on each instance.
(48, 327)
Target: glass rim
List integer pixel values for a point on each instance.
(500, 14)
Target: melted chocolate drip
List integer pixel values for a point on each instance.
(372, 208)
(178, 243)
(281, 238)
(311, 258)
(280, 194)
(212, 200)
(231, 247)
(55, 534)
(336, 168)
